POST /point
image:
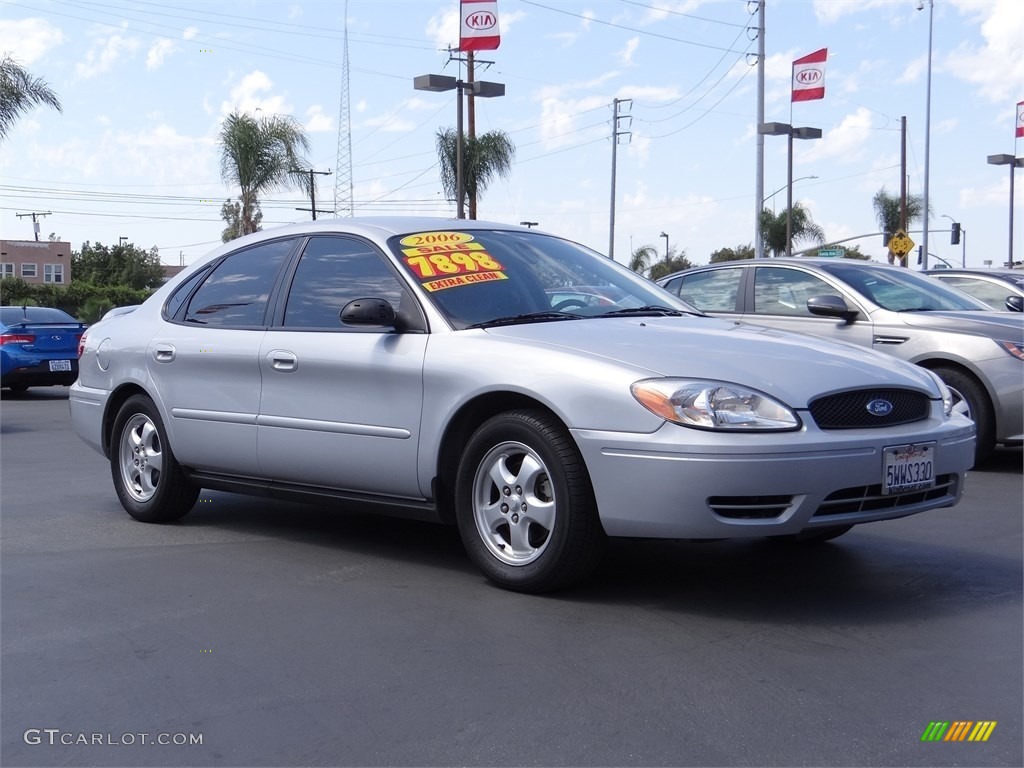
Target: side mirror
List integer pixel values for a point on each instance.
(1015, 303)
(369, 312)
(831, 306)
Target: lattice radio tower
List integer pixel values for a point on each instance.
(343, 202)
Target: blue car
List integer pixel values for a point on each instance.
(38, 347)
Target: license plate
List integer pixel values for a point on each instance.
(60, 365)
(908, 468)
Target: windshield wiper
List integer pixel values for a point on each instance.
(648, 310)
(530, 317)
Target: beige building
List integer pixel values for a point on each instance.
(42, 261)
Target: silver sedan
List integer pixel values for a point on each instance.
(435, 369)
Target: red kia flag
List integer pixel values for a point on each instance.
(479, 31)
(1020, 119)
(809, 76)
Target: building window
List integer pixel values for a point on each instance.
(6, 270)
(53, 273)
(28, 270)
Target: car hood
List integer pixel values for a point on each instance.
(1005, 326)
(793, 367)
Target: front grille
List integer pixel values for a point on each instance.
(869, 498)
(849, 410)
(749, 507)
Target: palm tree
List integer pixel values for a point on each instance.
(640, 260)
(887, 213)
(773, 229)
(260, 155)
(19, 91)
(483, 158)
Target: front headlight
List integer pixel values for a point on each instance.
(947, 395)
(713, 405)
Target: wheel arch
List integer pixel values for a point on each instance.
(932, 363)
(460, 428)
(118, 398)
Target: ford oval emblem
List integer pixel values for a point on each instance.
(879, 407)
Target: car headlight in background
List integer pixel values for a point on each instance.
(1014, 348)
(713, 405)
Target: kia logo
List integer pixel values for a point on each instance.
(879, 407)
(808, 76)
(481, 21)
(55, 338)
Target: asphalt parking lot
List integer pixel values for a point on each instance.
(283, 634)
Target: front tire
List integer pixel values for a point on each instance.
(149, 483)
(971, 400)
(525, 506)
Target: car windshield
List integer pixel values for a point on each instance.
(900, 290)
(485, 277)
(15, 315)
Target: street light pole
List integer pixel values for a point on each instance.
(480, 88)
(784, 129)
(927, 131)
(1014, 163)
(665, 235)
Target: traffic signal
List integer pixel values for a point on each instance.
(920, 254)
(954, 234)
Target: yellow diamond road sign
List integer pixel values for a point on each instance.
(900, 243)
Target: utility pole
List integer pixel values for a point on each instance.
(35, 222)
(615, 143)
(312, 193)
(759, 162)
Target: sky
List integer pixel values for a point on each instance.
(145, 87)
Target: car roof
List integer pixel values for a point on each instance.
(789, 261)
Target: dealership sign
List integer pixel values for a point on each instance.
(479, 29)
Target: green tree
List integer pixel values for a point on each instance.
(887, 213)
(773, 229)
(640, 260)
(261, 155)
(673, 261)
(483, 159)
(19, 92)
(231, 212)
(732, 254)
(117, 265)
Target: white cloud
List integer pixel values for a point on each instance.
(317, 121)
(28, 40)
(390, 124)
(443, 28)
(831, 11)
(189, 33)
(846, 141)
(294, 12)
(160, 50)
(990, 66)
(252, 93)
(106, 52)
(625, 56)
(570, 37)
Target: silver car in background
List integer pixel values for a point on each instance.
(979, 353)
(445, 370)
(1000, 289)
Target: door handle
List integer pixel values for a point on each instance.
(283, 361)
(163, 353)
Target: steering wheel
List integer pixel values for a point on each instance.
(569, 304)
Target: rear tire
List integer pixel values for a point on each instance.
(970, 399)
(149, 483)
(525, 506)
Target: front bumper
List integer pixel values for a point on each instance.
(719, 485)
